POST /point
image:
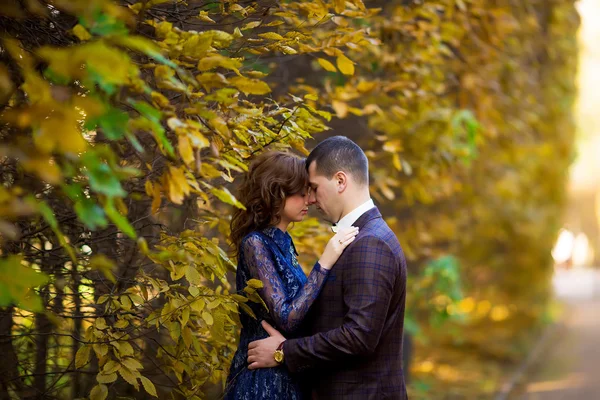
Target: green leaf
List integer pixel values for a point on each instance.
(48, 215)
(17, 282)
(120, 221)
(145, 46)
(102, 178)
(153, 116)
(114, 123)
(104, 24)
(91, 214)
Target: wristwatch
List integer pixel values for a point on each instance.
(278, 355)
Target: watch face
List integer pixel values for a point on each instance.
(278, 356)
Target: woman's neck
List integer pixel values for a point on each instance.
(283, 225)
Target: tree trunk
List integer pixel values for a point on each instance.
(9, 375)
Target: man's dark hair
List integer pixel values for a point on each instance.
(338, 153)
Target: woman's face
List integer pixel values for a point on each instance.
(296, 207)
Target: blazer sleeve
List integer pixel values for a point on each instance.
(369, 280)
(287, 312)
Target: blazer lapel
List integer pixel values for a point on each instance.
(366, 217)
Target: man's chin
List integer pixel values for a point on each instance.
(324, 216)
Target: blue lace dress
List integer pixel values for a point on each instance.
(270, 255)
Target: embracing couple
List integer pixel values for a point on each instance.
(336, 334)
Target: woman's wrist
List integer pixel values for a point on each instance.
(323, 265)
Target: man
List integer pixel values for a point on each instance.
(355, 351)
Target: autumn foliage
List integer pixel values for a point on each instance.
(124, 125)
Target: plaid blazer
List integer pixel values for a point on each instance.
(357, 322)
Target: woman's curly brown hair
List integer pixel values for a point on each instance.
(271, 178)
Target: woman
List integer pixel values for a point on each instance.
(274, 193)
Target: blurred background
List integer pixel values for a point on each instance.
(562, 366)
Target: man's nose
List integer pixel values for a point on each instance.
(312, 199)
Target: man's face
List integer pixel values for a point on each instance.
(324, 195)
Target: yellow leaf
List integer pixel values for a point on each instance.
(82, 357)
(148, 386)
(185, 316)
(122, 324)
(345, 65)
(105, 265)
(339, 6)
(186, 334)
(225, 196)
(237, 33)
(340, 107)
(217, 60)
(251, 25)
(198, 140)
(81, 32)
(271, 35)
(312, 97)
(59, 133)
(393, 146)
(100, 324)
(178, 185)
(101, 349)
(131, 363)
(126, 302)
(220, 39)
(327, 66)
(288, 50)
(220, 126)
(44, 167)
(106, 378)
(185, 149)
(111, 367)
(193, 276)
(160, 100)
(247, 310)
(396, 161)
(129, 377)
(198, 305)
(163, 72)
(207, 318)
(250, 86)
(99, 392)
(254, 283)
(204, 17)
(125, 349)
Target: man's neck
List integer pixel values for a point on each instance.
(355, 202)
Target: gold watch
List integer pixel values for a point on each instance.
(278, 355)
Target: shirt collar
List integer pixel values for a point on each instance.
(353, 215)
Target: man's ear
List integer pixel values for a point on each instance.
(341, 181)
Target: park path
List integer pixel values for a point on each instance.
(569, 366)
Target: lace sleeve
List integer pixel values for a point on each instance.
(286, 312)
